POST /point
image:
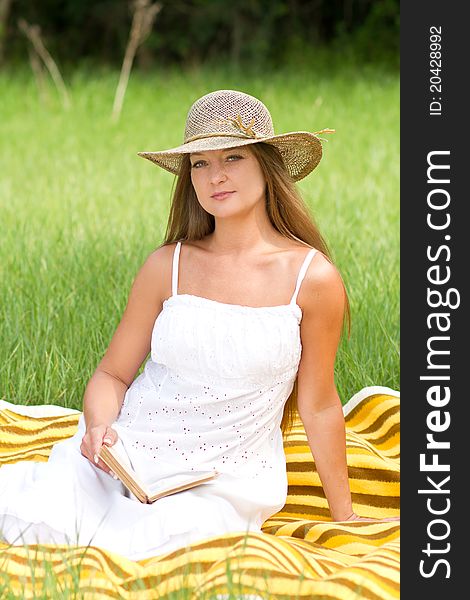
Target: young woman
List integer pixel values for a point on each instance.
(241, 310)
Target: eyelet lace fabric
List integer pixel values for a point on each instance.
(212, 393)
(211, 397)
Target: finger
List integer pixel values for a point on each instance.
(98, 461)
(110, 437)
(96, 451)
(96, 443)
(101, 465)
(86, 451)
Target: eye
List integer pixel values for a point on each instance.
(195, 165)
(236, 156)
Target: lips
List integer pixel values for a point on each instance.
(221, 195)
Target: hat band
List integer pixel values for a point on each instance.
(209, 135)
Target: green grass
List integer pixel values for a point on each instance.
(80, 211)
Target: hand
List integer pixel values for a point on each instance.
(355, 517)
(92, 441)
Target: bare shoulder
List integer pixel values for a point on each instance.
(162, 256)
(155, 272)
(322, 289)
(322, 272)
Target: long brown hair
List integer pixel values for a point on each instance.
(286, 210)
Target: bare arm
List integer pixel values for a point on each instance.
(129, 346)
(319, 406)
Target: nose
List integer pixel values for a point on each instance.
(217, 173)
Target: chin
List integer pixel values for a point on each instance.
(223, 212)
(222, 205)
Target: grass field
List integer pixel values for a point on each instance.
(80, 211)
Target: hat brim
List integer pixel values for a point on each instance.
(300, 150)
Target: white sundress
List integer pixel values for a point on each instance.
(211, 396)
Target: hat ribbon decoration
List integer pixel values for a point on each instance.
(243, 130)
(324, 131)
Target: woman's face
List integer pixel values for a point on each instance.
(236, 171)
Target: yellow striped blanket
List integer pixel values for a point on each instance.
(300, 554)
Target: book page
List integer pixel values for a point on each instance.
(120, 450)
(162, 477)
(174, 481)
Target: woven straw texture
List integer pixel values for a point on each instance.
(300, 554)
(230, 119)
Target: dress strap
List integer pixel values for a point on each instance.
(174, 272)
(301, 275)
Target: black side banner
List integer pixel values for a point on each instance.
(435, 259)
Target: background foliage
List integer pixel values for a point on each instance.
(269, 33)
(81, 211)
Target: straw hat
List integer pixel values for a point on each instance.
(229, 119)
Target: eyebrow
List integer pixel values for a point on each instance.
(223, 150)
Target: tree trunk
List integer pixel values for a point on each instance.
(38, 71)
(142, 21)
(33, 33)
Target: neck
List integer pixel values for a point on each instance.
(242, 235)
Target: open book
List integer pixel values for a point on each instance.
(149, 493)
